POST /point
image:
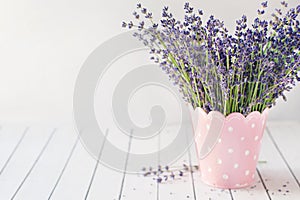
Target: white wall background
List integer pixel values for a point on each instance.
(44, 43)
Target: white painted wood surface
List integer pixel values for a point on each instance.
(45, 162)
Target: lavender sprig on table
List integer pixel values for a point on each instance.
(214, 69)
(165, 173)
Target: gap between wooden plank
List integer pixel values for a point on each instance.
(97, 164)
(263, 183)
(14, 150)
(190, 163)
(35, 162)
(126, 162)
(64, 168)
(158, 163)
(230, 192)
(282, 157)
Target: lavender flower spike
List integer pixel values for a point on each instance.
(241, 72)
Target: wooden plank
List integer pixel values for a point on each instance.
(96, 165)
(275, 173)
(74, 181)
(136, 186)
(64, 168)
(34, 164)
(182, 187)
(33, 173)
(49, 166)
(189, 137)
(202, 190)
(107, 182)
(23, 160)
(287, 136)
(255, 191)
(125, 168)
(10, 140)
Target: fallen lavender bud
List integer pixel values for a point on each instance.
(159, 180)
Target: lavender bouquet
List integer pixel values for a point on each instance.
(241, 72)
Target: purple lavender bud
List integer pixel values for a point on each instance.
(130, 24)
(141, 25)
(165, 177)
(244, 18)
(186, 5)
(264, 4)
(149, 15)
(159, 180)
(144, 10)
(278, 11)
(260, 12)
(180, 173)
(172, 175)
(285, 4)
(137, 16)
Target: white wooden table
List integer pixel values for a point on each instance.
(45, 162)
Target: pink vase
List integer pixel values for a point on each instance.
(228, 147)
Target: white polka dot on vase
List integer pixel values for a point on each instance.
(256, 138)
(209, 169)
(219, 140)
(225, 176)
(237, 185)
(230, 150)
(219, 161)
(235, 166)
(207, 126)
(230, 129)
(253, 125)
(247, 172)
(247, 152)
(254, 157)
(242, 138)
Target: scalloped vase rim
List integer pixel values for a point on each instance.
(265, 112)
